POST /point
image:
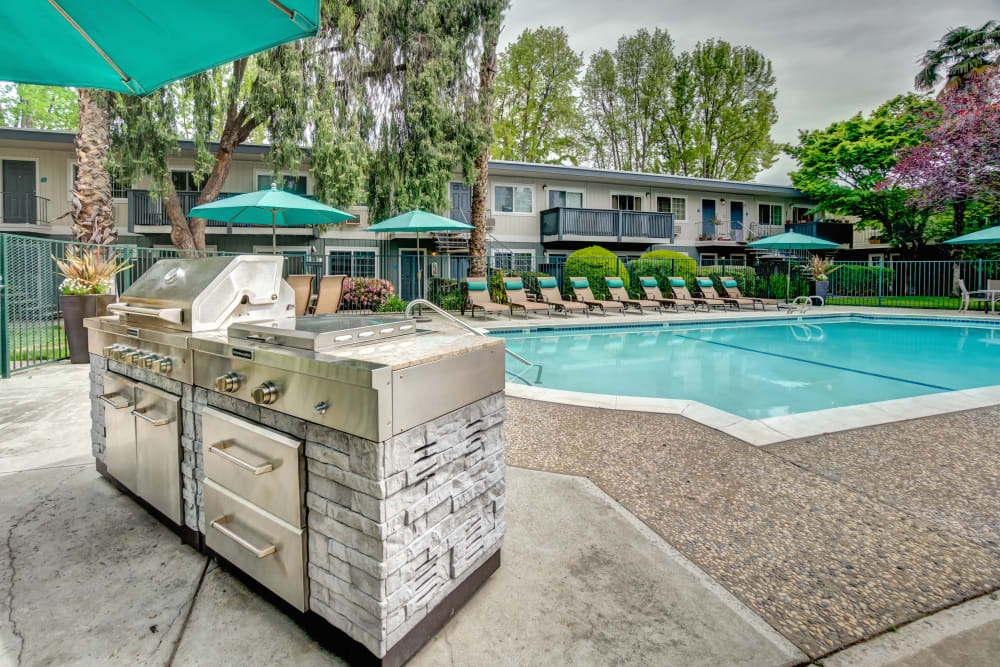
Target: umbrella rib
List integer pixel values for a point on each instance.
(83, 33)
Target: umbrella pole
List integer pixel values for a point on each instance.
(274, 235)
(788, 280)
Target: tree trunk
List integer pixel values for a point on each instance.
(487, 72)
(93, 216)
(958, 225)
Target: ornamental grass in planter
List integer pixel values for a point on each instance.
(819, 269)
(86, 291)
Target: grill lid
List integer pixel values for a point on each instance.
(208, 293)
(324, 331)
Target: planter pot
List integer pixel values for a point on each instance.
(821, 288)
(76, 307)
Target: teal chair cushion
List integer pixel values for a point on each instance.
(476, 285)
(704, 282)
(729, 283)
(546, 282)
(648, 282)
(580, 282)
(615, 282)
(677, 282)
(513, 284)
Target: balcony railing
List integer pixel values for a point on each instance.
(24, 208)
(724, 231)
(759, 231)
(567, 223)
(144, 210)
(837, 232)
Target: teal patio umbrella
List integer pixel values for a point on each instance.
(136, 47)
(792, 241)
(419, 221)
(991, 235)
(273, 207)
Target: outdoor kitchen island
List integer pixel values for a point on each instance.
(353, 466)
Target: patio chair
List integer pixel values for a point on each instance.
(732, 289)
(970, 297)
(331, 291)
(478, 296)
(550, 294)
(708, 290)
(651, 289)
(618, 292)
(513, 289)
(679, 288)
(302, 285)
(581, 288)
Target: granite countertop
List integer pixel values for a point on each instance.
(420, 349)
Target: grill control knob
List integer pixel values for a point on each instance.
(109, 350)
(118, 354)
(265, 393)
(146, 360)
(130, 356)
(163, 365)
(229, 382)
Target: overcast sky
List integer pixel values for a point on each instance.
(832, 58)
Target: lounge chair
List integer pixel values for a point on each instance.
(651, 289)
(732, 289)
(618, 292)
(513, 288)
(711, 293)
(970, 297)
(478, 296)
(581, 287)
(331, 291)
(550, 294)
(679, 287)
(302, 285)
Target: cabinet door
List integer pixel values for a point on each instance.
(119, 427)
(158, 450)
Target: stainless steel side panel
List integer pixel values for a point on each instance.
(263, 466)
(119, 424)
(352, 408)
(262, 545)
(426, 391)
(158, 450)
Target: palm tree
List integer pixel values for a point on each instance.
(962, 55)
(93, 216)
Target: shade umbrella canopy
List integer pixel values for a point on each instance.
(273, 207)
(991, 235)
(419, 221)
(136, 47)
(792, 241)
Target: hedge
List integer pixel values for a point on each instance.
(530, 279)
(594, 263)
(852, 280)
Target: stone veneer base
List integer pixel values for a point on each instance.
(396, 530)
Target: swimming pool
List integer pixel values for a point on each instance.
(759, 369)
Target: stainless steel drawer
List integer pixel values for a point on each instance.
(262, 545)
(263, 466)
(119, 425)
(158, 450)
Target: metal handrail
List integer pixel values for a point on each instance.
(425, 303)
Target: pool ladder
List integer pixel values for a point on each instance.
(424, 303)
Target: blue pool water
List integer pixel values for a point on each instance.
(766, 369)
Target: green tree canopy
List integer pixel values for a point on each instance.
(842, 167)
(961, 55)
(38, 107)
(536, 113)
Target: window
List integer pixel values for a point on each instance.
(184, 181)
(769, 214)
(675, 205)
(708, 259)
(119, 185)
(626, 202)
(513, 198)
(565, 199)
(801, 214)
(557, 258)
(516, 261)
(287, 182)
(353, 263)
(738, 258)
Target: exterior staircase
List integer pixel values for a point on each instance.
(452, 243)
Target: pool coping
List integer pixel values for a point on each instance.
(771, 430)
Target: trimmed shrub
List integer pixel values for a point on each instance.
(530, 279)
(393, 305)
(745, 277)
(660, 264)
(855, 280)
(366, 293)
(594, 263)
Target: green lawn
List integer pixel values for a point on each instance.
(45, 343)
(942, 302)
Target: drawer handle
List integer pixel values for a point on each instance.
(155, 421)
(261, 552)
(220, 450)
(115, 401)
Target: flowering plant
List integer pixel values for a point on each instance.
(89, 271)
(366, 293)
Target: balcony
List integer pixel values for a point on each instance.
(144, 210)
(837, 232)
(23, 208)
(594, 224)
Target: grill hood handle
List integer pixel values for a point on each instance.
(174, 315)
